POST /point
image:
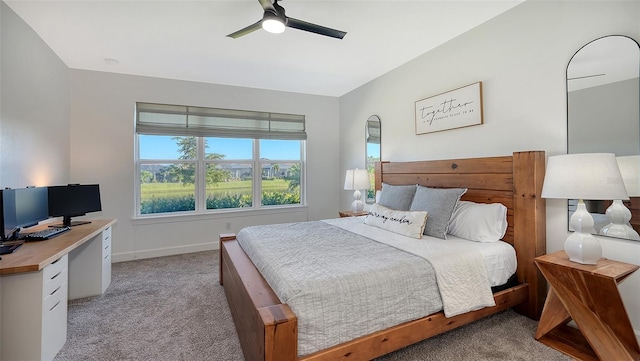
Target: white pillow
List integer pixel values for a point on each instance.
(410, 224)
(479, 222)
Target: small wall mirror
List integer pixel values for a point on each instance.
(603, 116)
(372, 152)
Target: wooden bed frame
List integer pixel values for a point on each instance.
(267, 329)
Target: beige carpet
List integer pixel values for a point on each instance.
(172, 308)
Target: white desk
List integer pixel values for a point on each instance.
(38, 279)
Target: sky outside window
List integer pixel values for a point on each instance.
(280, 149)
(373, 150)
(232, 148)
(164, 147)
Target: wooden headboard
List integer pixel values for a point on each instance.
(515, 181)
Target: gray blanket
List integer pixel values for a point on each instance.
(340, 285)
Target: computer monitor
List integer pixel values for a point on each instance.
(23, 208)
(31, 206)
(8, 223)
(74, 200)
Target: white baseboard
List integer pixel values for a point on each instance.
(162, 252)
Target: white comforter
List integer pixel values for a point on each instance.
(462, 276)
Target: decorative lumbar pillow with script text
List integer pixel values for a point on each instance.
(410, 224)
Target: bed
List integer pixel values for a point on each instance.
(268, 329)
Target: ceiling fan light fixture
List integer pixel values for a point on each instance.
(275, 20)
(272, 23)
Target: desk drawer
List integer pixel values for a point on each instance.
(54, 322)
(106, 247)
(57, 298)
(52, 270)
(53, 284)
(106, 242)
(106, 235)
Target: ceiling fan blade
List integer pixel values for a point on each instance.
(249, 29)
(267, 5)
(318, 29)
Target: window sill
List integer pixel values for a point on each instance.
(188, 217)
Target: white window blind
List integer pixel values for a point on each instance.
(164, 119)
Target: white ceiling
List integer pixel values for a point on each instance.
(186, 40)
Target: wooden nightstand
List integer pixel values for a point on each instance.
(589, 295)
(352, 214)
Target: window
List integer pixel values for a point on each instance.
(198, 160)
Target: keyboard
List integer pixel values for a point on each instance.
(45, 233)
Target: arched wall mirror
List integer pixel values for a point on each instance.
(372, 152)
(603, 116)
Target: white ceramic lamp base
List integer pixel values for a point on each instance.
(581, 246)
(357, 205)
(619, 216)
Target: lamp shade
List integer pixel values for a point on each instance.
(593, 176)
(630, 170)
(356, 179)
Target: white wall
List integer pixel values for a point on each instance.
(34, 133)
(102, 150)
(1, 32)
(1, 6)
(521, 58)
(34, 105)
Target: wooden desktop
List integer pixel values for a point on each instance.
(37, 280)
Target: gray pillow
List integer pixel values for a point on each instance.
(439, 203)
(397, 197)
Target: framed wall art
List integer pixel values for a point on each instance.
(457, 108)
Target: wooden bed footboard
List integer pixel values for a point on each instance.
(267, 329)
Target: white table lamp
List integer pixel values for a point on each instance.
(355, 180)
(617, 213)
(593, 176)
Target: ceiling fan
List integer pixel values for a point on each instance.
(274, 20)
